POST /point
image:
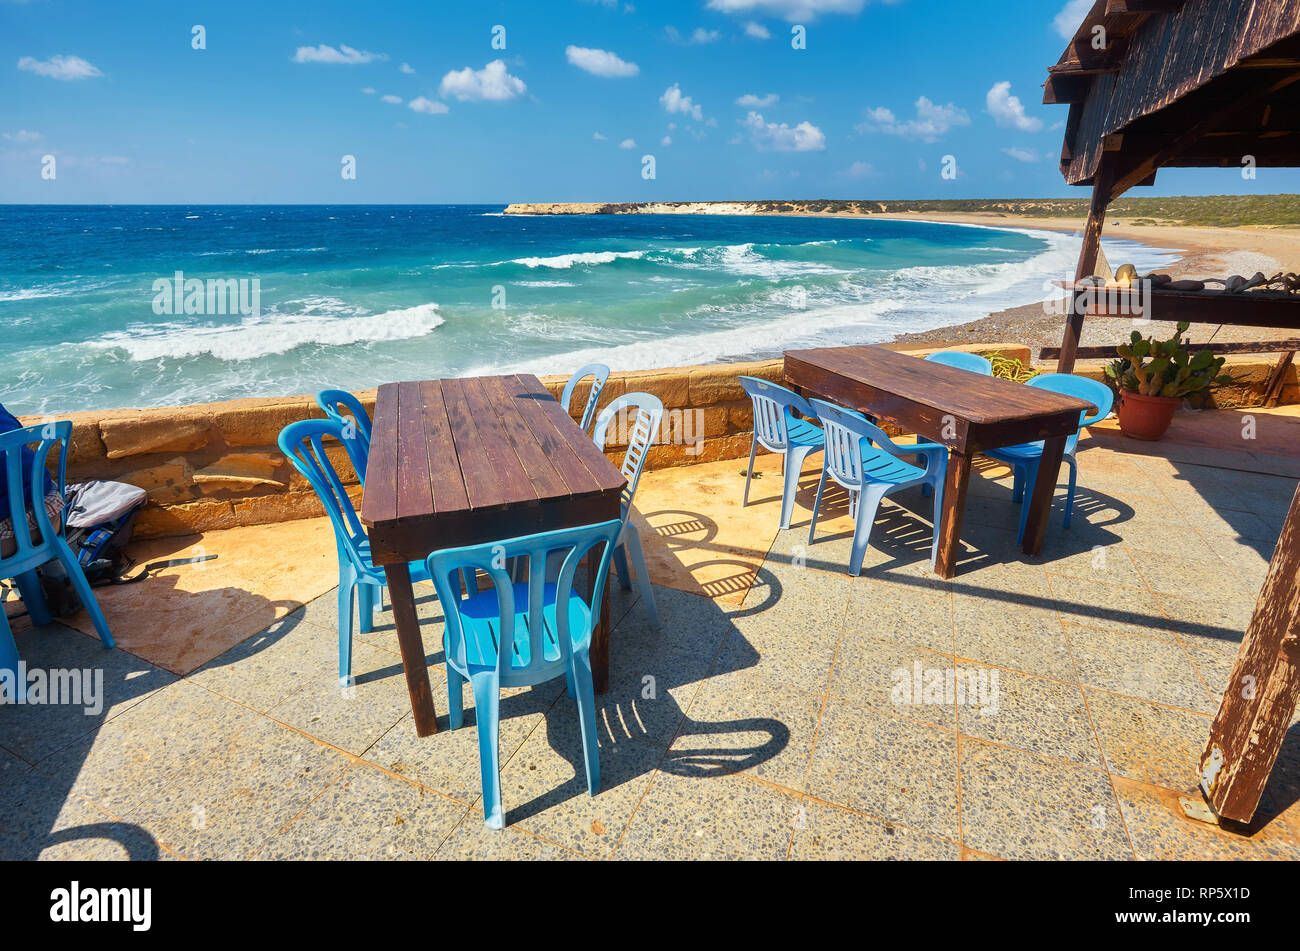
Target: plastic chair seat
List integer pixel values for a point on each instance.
(881, 466)
(482, 626)
(801, 432)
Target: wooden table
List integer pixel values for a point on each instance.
(964, 411)
(462, 462)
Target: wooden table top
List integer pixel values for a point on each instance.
(983, 400)
(474, 446)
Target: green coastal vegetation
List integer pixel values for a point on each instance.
(1209, 210)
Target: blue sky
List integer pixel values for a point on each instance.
(582, 91)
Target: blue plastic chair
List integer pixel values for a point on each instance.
(599, 374)
(347, 409)
(28, 554)
(862, 459)
(778, 430)
(1024, 458)
(962, 361)
(644, 429)
(360, 582)
(547, 626)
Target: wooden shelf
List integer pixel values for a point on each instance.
(1248, 309)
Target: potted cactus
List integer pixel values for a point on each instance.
(1152, 377)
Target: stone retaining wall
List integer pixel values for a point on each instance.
(216, 465)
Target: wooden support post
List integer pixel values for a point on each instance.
(1263, 691)
(1273, 388)
(1087, 263)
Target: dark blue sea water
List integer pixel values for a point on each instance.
(353, 296)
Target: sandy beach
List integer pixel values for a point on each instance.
(1205, 253)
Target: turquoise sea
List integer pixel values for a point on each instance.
(353, 296)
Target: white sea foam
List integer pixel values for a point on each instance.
(273, 333)
(564, 261)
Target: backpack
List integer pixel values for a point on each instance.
(98, 520)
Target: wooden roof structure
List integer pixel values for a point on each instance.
(1154, 83)
(1179, 83)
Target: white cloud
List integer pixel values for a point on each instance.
(698, 35)
(755, 101)
(793, 11)
(66, 68)
(23, 135)
(757, 31)
(1023, 155)
(368, 90)
(328, 54)
(598, 137)
(1007, 109)
(407, 68)
(674, 102)
(427, 106)
(771, 136)
(627, 144)
(666, 140)
(859, 170)
(931, 121)
(491, 83)
(1070, 17)
(600, 62)
(395, 100)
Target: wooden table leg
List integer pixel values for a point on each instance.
(412, 647)
(954, 507)
(599, 650)
(1040, 503)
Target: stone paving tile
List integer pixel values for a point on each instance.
(1016, 638)
(49, 825)
(882, 676)
(1159, 830)
(723, 818)
(244, 792)
(1147, 742)
(471, 841)
(649, 694)
(290, 655)
(1215, 668)
(893, 769)
(890, 612)
(1032, 714)
(1181, 578)
(1116, 608)
(828, 833)
(1209, 625)
(351, 717)
(448, 761)
(688, 623)
(1138, 667)
(368, 814)
(544, 786)
(1106, 562)
(1021, 806)
(109, 682)
(740, 722)
(148, 748)
(799, 657)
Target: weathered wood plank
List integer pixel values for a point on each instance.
(1263, 690)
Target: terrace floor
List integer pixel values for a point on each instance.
(761, 720)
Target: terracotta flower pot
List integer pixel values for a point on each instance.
(1146, 417)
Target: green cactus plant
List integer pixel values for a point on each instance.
(1164, 367)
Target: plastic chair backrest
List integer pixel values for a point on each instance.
(346, 408)
(772, 406)
(640, 435)
(302, 443)
(599, 373)
(845, 431)
(494, 559)
(963, 361)
(1080, 387)
(28, 553)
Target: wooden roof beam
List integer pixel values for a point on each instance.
(1115, 7)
